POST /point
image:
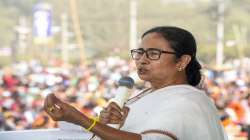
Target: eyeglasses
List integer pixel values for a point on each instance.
(151, 53)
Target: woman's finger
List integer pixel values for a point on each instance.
(104, 114)
(52, 106)
(113, 114)
(104, 120)
(116, 113)
(115, 118)
(114, 121)
(109, 117)
(113, 105)
(45, 104)
(125, 111)
(51, 114)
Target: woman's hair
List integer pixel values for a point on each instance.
(182, 42)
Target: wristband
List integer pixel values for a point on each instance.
(93, 124)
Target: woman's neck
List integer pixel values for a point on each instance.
(160, 84)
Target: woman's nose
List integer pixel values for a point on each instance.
(143, 59)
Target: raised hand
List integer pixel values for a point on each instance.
(58, 110)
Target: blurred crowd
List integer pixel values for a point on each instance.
(23, 87)
(230, 91)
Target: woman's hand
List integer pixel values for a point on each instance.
(113, 114)
(58, 110)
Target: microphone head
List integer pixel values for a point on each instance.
(127, 82)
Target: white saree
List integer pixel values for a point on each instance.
(175, 112)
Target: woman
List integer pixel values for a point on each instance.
(171, 109)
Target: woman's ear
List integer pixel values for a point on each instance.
(183, 62)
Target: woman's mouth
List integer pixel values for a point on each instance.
(142, 71)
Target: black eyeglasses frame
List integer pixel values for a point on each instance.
(147, 53)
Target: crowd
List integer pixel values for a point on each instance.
(230, 91)
(23, 87)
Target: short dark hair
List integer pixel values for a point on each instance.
(182, 42)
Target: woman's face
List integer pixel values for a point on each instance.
(161, 70)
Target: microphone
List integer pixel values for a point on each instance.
(123, 92)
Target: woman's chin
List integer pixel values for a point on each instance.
(143, 77)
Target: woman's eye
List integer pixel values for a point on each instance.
(153, 53)
(140, 52)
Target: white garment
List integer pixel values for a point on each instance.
(181, 110)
